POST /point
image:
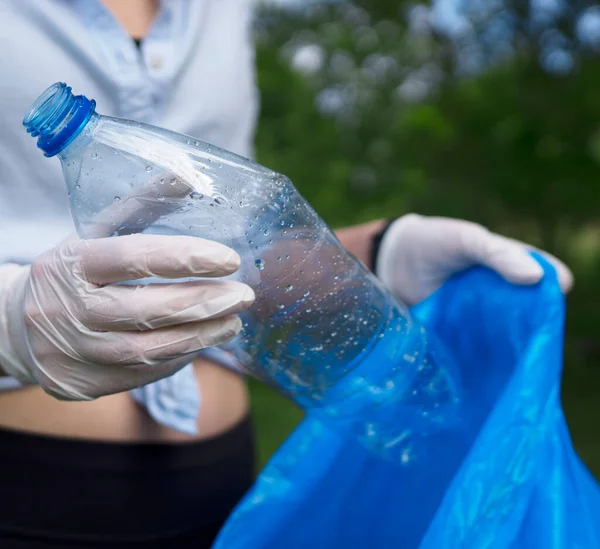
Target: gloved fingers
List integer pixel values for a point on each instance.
(88, 384)
(108, 260)
(563, 273)
(120, 308)
(512, 260)
(134, 349)
(167, 344)
(508, 258)
(156, 197)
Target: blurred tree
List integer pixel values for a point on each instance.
(482, 110)
(489, 113)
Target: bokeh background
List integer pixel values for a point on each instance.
(487, 110)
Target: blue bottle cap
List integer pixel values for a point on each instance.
(57, 117)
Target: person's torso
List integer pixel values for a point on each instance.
(194, 74)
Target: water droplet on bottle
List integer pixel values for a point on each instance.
(219, 200)
(149, 168)
(196, 143)
(279, 180)
(160, 197)
(281, 306)
(117, 199)
(188, 142)
(317, 348)
(306, 293)
(278, 341)
(260, 264)
(94, 155)
(289, 288)
(191, 228)
(78, 186)
(196, 195)
(279, 258)
(405, 457)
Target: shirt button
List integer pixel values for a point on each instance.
(156, 62)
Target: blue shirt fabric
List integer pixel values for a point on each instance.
(193, 73)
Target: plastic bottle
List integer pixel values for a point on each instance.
(323, 330)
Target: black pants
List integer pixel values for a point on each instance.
(79, 494)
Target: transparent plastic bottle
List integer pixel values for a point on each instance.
(323, 330)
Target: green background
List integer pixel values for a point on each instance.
(374, 112)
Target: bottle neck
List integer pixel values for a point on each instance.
(80, 139)
(57, 117)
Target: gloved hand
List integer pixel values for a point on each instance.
(65, 327)
(418, 254)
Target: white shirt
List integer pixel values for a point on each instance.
(194, 74)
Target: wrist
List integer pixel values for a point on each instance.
(357, 239)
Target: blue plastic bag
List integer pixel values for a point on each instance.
(512, 480)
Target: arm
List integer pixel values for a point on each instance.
(418, 254)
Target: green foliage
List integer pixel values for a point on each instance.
(373, 113)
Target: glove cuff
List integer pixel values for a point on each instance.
(392, 242)
(14, 347)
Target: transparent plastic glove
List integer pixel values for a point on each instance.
(418, 254)
(67, 327)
